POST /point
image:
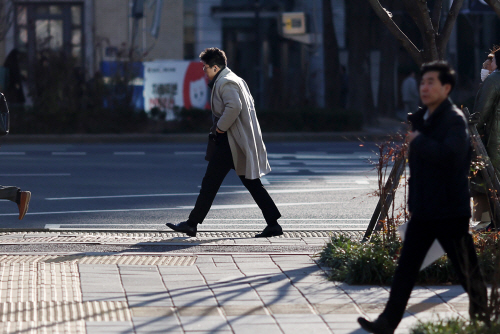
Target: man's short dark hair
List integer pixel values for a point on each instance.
(446, 73)
(214, 56)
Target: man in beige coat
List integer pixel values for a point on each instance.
(239, 146)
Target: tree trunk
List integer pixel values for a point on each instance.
(495, 5)
(331, 58)
(388, 55)
(434, 40)
(360, 96)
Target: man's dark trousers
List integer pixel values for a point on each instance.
(218, 167)
(453, 235)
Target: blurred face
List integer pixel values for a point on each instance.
(210, 71)
(432, 92)
(493, 65)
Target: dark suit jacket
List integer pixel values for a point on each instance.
(439, 160)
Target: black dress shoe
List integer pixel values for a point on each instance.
(183, 227)
(270, 231)
(379, 326)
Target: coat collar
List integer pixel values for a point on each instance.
(439, 110)
(212, 82)
(221, 74)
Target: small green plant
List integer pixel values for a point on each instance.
(455, 326)
(355, 262)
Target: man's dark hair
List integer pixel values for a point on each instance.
(446, 73)
(214, 56)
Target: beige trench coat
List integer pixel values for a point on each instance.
(234, 111)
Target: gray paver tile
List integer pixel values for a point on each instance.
(139, 303)
(256, 328)
(275, 286)
(187, 302)
(336, 308)
(290, 308)
(353, 325)
(152, 312)
(221, 259)
(415, 300)
(199, 311)
(241, 302)
(240, 259)
(250, 272)
(247, 297)
(193, 296)
(176, 287)
(98, 268)
(328, 300)
(177, 330)
(269, 300)
(250, 320)
(342, 318)
(194, 323)
(115, 327)
(244, 310)
(174, 270)
(428, 307)
(156, 325)
(89, 296)
(292, 292)
(136, 268)
(298, 318)
(313, 328)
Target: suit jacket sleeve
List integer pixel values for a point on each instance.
(230, 96)
(454, 148)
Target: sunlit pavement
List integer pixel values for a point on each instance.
(214, 291)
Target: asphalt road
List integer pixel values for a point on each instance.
(143, 186)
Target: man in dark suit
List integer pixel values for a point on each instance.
(439, 200)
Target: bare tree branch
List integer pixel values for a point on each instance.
(436, 13)
(495, 4)
(448, 26)
(428, 32)
(386, 19)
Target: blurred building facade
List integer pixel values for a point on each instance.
(91, 31)
(282, 70)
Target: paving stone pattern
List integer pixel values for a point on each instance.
(237, 293)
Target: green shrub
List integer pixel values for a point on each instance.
(455, 326)
(355, 262)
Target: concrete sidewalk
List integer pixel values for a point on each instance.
(165, 292)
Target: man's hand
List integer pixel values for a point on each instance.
(412, 135)
(219, 131)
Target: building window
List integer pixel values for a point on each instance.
(49, 26)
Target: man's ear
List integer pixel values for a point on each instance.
(447, 88)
